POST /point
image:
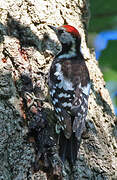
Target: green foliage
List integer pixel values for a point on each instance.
(104, 17)
(108, 61)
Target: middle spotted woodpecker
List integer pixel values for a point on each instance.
(69, 86)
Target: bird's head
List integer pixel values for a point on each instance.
(66, 33)
(68, 36)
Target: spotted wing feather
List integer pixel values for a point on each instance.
(79, 110)
(69, 89)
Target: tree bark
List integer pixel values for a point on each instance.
(27, 47)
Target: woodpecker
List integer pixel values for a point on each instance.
(69, 87)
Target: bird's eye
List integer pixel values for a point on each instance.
(61, 31)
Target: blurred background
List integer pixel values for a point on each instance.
(103, 38)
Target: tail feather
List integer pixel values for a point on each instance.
(68, 148)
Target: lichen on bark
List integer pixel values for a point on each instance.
(30, 43)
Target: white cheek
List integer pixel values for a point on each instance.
(66, 38)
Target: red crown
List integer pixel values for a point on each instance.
(71, 30)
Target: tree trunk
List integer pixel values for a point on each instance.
(26, 116)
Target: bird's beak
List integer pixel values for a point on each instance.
(53, 28)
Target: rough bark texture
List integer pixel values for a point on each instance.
(27, 47)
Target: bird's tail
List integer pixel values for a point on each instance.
(68, 148)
